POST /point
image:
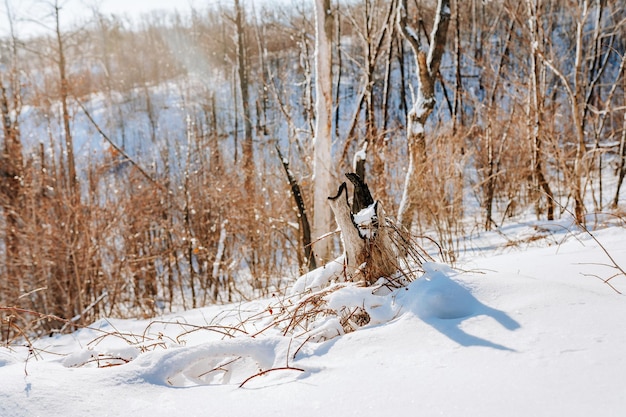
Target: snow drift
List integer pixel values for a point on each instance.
(524, 331)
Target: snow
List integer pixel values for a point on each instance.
(417, 128)
(320, 277)
(517, 330)
(365, 221)
(360, 155)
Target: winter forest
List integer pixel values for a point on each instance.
(186, 160)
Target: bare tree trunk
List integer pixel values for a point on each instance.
(322, 162)
(622, 162)
(403, 79)
(247, 148)
(493, 157)
(577, 100)
(578, 110)
(262, 102)
(457, 116)
(371, 147)
(236, 116)
(387, 82)
(423, 104)
(621, 168)
(187, 210)
(69, 142)
(12, 187)
(67, 273)
(534, 112)
(303, 219)
(339, 75)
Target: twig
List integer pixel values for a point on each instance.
(606, 252)
(267, 371)
(118, 149)
(220, 367)
(301, 346)
(287, 367)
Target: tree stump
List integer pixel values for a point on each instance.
(370, 251)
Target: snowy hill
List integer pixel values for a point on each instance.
(526, 330)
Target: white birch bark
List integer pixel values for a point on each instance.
(322, 163)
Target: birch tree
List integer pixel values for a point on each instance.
(427, 66)
(322, 169)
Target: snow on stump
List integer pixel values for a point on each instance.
(349, 292)
(370, 253)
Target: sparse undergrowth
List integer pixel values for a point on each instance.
(322, 305)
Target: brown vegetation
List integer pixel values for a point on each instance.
(138, 171)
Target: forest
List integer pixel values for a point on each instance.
(169, 163)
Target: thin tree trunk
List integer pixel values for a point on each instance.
(387, 82)
(578, 110)
(622, 161)
(339, 75)
(187, 209)
(11, 192)
(492, 156)
(427, 67)
(577, 100)
(457, 116)
(534, 112)
(12, 167)
(69, 142)
(322, 168)
(242, 64)
(303, 219)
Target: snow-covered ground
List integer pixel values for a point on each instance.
(524, 328)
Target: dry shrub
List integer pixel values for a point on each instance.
(442, 204)
(135, 248)
(309, 315)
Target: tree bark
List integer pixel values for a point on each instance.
(622, 163)
(369, 251)
(74, 190)
(242, 64)
(322, 169)
(535, 106)
(11, 186)
(303, 219)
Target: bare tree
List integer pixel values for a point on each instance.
(534, 112)
(242, 65)
(373, 32)
(621, 166)
(322, 161)
(64, 91)
(11, 158)
(427, 67)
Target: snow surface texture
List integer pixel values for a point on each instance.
(530, 331)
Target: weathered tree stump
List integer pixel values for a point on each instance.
(369, 251)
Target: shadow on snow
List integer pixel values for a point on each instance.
(444, 304)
